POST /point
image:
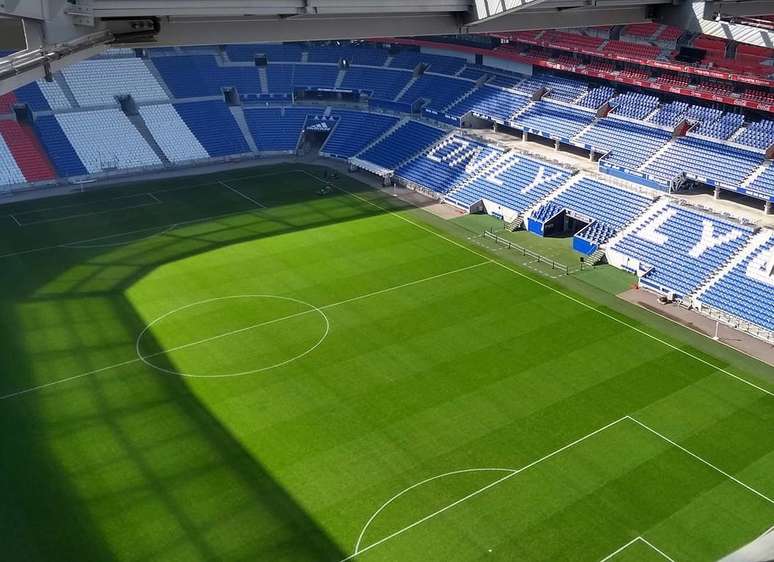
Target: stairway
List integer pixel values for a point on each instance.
(756, 173)
(555, 193)
(155, 71)
(142, 128)
(263, 79)
(459, 99)
(656, 154)
(585, 129)
(239, 117)
(406, 88)
(595, 258)
(66, 90)
(27, 151)
(515, 224)
(340, 78)
(384, 135)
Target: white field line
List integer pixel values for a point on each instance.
(697, 457)
(163, 230)
(325, 307)
(309, 311)
(557, 291)
(12, 217)
(71, 205)
(243, 195)
(358, 551)
(631, 542)
(92, 213)
(478, 492)
(654, 547)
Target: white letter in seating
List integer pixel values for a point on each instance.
(541, 178)
(709, 241)
(650, 232)
(507, 166)
(761, 267)
(432, 154)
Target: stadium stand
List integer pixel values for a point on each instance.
(26, 151)
(678, 248)
(401, 144)
(550, 119)
(9, 170)
(513, 181)
(445, 164)
(490, 102)
(745, 290)
(379, 82)
(98, 82)
(214, 126)
(171, 133)
(354, 131)
(613, 207)
(58, 147)
(106, 139)
(277, 129)
(442, 91)
(704, 160)
(629, 144)
(275, 52)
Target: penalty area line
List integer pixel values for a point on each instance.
(644, 541)
(242, 195)
(478, 492)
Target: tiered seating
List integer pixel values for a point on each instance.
(552, 119)
(314, 75)
(98, 82)
(634, 105)
(641, 30)
(26, 151)
(440, 90)
(631, 49)
(381, 83)
(438, 63)
(490, 102)
(720, 127)
(214, 125)
(171, 133)
(631, 144)
(275, 52)
(572, 41)
(764, 183)
(561, 87)
(277, 129)
(596, 97)
(42, 96)
(445, 164)
(6, 102)
(473, 72)
(354, 131)
(759, 134)
(511, 82)
(685, 247)
(366, 54)
(106, 139)
(189, 76)
(10, 173)
(747, 291)
(515, 182)
(58, 147)
(401, 144)
(704, 159)
(613, 206)
(670, 114)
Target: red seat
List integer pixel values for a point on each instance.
(27, 152)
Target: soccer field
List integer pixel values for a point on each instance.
(233, 367)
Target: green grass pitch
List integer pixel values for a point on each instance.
(233, 367)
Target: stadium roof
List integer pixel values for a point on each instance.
(61, 32)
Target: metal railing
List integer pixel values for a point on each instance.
(527, 252)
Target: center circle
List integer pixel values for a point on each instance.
(242, 324)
